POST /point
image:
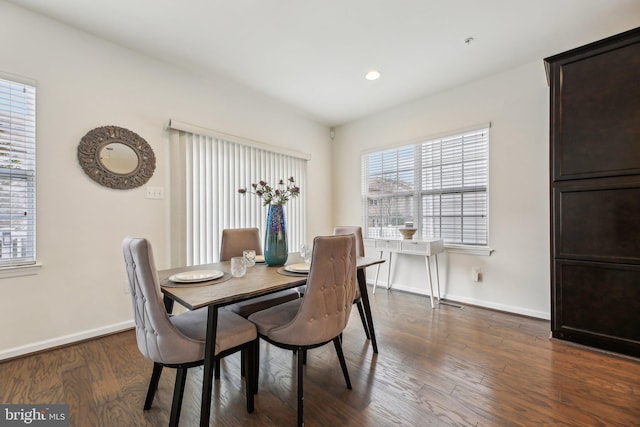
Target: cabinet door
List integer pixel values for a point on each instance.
(595, 111)
(598, 304)
(595, 194)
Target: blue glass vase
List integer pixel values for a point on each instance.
(275, 237)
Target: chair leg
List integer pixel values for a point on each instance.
(256, 367)
(178, 392)
(363, 319)
(250, 361)
(343, 364)
(153, 385)
(300, 388)
(216, 373)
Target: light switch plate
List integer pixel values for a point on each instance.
(155, 193)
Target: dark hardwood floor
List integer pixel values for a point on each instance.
(449, 366)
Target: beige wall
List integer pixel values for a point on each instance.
(83, 83)
(516, 276)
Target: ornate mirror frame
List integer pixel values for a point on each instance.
(90, 148)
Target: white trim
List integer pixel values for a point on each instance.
(65, 339)
(19, 270)
(544, 315)
(18, 79)
(186, 127)
(471, 301)
(420, 139)
(468, 250)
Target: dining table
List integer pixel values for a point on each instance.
(258, 280)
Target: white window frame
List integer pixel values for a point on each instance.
(404, 177)
(18, 171)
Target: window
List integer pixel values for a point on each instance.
(440, 185)
(207, 169)
(17, 173)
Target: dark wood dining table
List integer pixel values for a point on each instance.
(259, 280)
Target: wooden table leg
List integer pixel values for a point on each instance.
(362, 284)
(209, 365)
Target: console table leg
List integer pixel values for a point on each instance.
(438, 278)
(375, 284)
(428, 261)
(389, 272)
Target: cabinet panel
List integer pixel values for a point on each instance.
(387, 245)
(426, 248)
(599, 305)
(598, 223)
(595, 112)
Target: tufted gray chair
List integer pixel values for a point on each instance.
(357, 299)
(234, 241)
(321, 315)
(178, 341)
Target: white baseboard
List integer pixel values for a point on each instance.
(64, 340)
(472, 301)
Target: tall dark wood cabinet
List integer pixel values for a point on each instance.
(595, 193)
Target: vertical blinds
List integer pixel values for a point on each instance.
(17, 173)
(206, 173)
(440, 185)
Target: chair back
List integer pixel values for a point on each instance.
(326, 305)
(158, 339)
(235, 240)
(352, 229)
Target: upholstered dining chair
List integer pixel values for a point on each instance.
(179, 341)
(320, 316)
(357, 299)
(233, 243)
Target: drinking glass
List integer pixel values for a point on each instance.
(238, 267)
(305, 253)
(249, 257)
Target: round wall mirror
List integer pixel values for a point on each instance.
(116, 157)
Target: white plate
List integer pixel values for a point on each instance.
(196, 276)
(259, 258)
(298, 268)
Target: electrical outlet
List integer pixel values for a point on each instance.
(155, 193)
(476, 274)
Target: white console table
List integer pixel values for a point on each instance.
(426, 248)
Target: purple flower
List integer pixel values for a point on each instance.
(276, 196)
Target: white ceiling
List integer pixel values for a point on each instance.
(313, 54)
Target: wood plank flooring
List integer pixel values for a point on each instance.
(443, 367)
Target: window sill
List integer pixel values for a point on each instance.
(19, 270)
(468, 250)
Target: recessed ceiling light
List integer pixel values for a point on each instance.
(372, 75)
